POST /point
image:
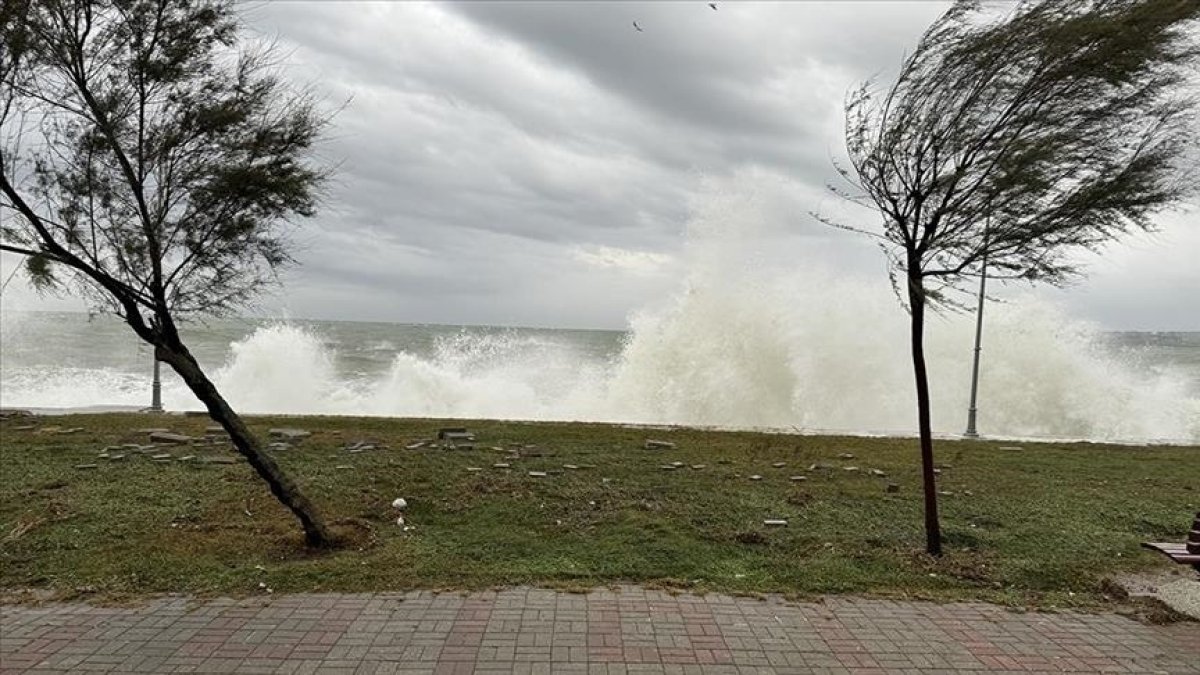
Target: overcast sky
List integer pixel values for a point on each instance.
(538, 163)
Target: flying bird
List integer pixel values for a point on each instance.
(713, 5)
(638, 28)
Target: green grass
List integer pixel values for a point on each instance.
(1043, 525)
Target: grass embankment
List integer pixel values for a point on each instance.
(1039, 524)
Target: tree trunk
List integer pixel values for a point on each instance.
(316, 534)
(916, 301)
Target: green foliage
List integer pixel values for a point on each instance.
(163, 160)
(1019, 133)
(41, 272)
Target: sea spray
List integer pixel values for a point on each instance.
(725, 355)
(282, 368)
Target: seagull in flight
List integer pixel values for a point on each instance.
(713, 5)
(638, 28)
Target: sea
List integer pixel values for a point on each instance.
(712, 357)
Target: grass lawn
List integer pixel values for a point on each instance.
(1037, 524)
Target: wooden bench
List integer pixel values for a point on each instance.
(1187, 553)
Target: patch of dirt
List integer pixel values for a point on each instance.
(1161, 597)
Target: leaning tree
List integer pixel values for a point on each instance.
(1014, 136)
(152, 163)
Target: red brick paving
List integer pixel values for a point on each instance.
(626, 630)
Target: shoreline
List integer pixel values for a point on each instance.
(101, 409)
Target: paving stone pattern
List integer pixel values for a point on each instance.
(622, 630)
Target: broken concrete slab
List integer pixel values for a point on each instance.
(289, 434)
(455, 434)
(169, 437)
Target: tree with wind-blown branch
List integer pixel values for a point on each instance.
(151, 163)
(1015, 136)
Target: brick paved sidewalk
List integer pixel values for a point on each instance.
(628, 630)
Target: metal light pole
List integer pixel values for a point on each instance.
(156, 390)
(970, 432)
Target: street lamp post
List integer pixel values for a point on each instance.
(971, 432)
(156, 390)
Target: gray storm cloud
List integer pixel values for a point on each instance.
(536, 163)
